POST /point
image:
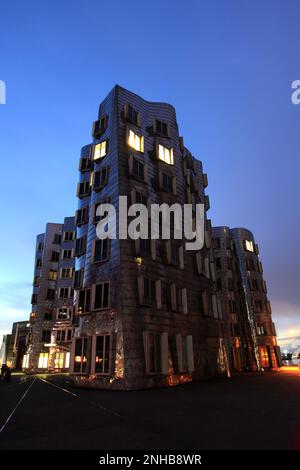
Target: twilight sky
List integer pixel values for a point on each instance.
(227, 66)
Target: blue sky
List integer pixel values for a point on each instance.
(227, 67)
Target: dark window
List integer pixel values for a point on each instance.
(161, 128)
(83, 189)
(80, 246)
(39, 263)
(78, 278)
(40, 246)
(85, 164)
(84, 301)
(99, 127)
(219, 284)
(57, 239)
(34, 298)
(145, 247)
(50, 294)
(218, 263)
(46, 336)
(154, 354)
(101, 295)
(80, 358)
(229, 263)
(65, 292)
(138, 169)
(230, 284)
(68, 236)
(82, 216)
(48, 316)
(149, 291)
(64, 313)
(69, 337)
(167, 183)
(66, 273)
(96, 217)
(54, 256)
(174, 252)
(101, 250)
(216, 243)
(67, 254)
(100, 179)
(132, 115)
(232, 306)
(102, 354)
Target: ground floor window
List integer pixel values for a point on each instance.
(81, 351)
(59, 360)
(43, 361)
(264, 357)
(154, 353)
(25, 362)
(102, 359)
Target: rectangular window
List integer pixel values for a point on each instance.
(66, 273)
(97, 218)
(154, 353)
(149, 291)
(138, 169)
(165, 154)
(65, 292)
(82, 216)
(99, 127)
(34, 298)
(135, 141)
(100, 150)
(83, 189)
(101, 295)
(102, 359)
(57, 239)
(47, 316)
(249, 245)
(66, 254)
(78, 276)
(46, 336)
(52, 275)
(101, 250)
(167, 183)
(100, 179)
(39, 263)
(68, 236)
(84, 301)
(161, 128)
(85, 164)
(50, 294)
(132, 115)
(54, 257)
(260, 328)
(43, 361)
(59, 360)
(40, 246)
(80, 358)
(80, 246)
(64, 313)
(140, 198)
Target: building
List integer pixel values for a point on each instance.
(19, 335)
(49, 340)
(147, 312)
(5, 350)
(250, 333)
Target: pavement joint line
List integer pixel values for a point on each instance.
(15, 408)
(60, 388)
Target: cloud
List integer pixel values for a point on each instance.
(286, 316)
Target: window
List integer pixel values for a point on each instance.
(39, 263)
(161, 128)
(132, 115)
(69, 335)
(99, 127)
(40, 246)
(135, 141)
(59, 360)
(48, 316)
(83, 189)
(165, 154)
(34, 298)
(154, 353)
(264, 356)
(216, 243)
(260, 328)
(64, 313)
(232, 306)
(60, 335)
(100, 179)
(229, 263)
(66, 273)
(249, 245)
(54, 256)
(65, 292)
(144, 246)
(78, 278)
(85, 164)
(100, 150)
(43, 361)
(149, 291)
(230, 284)
(57, 239)
(50, 294)
(101, 250)
(101, 295)
(80, 246)
(66, 254)
(52, 275)
(84, 301)
(138, 169)
(80, 358)
(218, 263)
(167, 183)
(102, 359)
(82, 216)
(46, 336)
(97, 218)
(69, 236)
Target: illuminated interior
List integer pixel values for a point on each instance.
(100, 150)
(165, 154)
(249, 245)
(43, 360)
(135, 141)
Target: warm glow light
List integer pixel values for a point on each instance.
(100, 150)
(67, 364)
(138, 260)
(136, 142)
(165, 154)
(43, 361)
(249, 245)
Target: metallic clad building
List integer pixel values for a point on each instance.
(48, 345)
(147, 313)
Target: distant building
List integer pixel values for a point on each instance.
(250, 331)
(5, 350)
(49, 340)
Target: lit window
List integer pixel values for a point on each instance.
(100, 150)
(135, 141)
(25, 362)
(80, 358)
(52, 275)
(67, 364)
(43, 361)
(165, 154)
(59, 360)
(249, 245)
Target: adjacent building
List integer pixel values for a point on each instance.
(250, 332)
(49, 339)
(13, 345)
